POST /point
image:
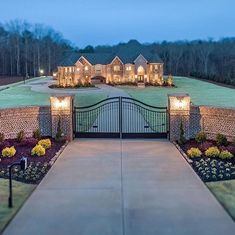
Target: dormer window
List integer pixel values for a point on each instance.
(116, 68)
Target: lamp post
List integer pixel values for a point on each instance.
(23, 165)
(41, 72)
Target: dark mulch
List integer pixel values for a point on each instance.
(5, 80)
(212, 169)
(38, 166)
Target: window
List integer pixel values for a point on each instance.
(116, 68)
(78, 69)
(156, 67)
(86, 68)
(128, 68)
(140, 69)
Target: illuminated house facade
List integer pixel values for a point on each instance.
(118, 68)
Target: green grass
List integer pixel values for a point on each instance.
(224, 192)
(23, 96)
(21, 192)
(202, 93)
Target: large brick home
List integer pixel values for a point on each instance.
(122, 67)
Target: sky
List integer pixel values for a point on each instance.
(108, 22)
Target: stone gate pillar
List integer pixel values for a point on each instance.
(179, 111)
(62, 111)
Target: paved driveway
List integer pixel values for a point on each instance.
(133, 187)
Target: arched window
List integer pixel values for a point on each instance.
(140, 70)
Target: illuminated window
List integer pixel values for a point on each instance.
(78, 69)
(140, 69)
(116, 68)
(70, 69)
(156, 67)
(86, 68)
(128, 68)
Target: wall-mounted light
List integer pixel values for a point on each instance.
(60, 103)
(180, 103)
(54, 74)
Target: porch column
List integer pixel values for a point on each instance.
(179, 111)
(62, 114)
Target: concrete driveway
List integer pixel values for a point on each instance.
(129, 187)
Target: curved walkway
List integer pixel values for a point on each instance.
(113, 187)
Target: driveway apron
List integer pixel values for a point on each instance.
(114, 187)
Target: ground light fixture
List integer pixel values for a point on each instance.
(23, 163)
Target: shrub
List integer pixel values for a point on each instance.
(2, 137)
(221, 140)
(20, 136)
(9, 152)
(38, 150)
(225, 155)
(37, 134)
(194, 152)
(45, 143)
(170, 80)
(59, 133)
(212, 152)
(182, 139)
(200, 137)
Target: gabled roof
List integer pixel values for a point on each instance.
(126, 55)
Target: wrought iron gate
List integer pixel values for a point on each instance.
(120, 117)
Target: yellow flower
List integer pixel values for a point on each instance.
(9, 152)
(212, 152)
(194, 152)
(45, 143)
(226, 155)
(38, 150)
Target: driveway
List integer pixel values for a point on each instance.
(113, 187)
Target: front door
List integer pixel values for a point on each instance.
(140, 78)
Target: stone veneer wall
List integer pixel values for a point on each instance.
(28, 119)
(212, 120)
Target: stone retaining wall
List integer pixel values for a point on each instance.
(28, 119)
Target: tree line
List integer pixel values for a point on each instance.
(206, 59)
(26, 48)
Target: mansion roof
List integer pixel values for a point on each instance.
(126, 56)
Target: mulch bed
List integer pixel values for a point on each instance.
(38, 166)
(214, 168)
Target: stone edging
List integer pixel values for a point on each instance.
(52, 161)
(182, 153)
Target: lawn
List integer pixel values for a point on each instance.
(23, 96)
(202, 93)
(224, 192)
(21, 192)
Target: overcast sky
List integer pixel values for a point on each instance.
(111, 21)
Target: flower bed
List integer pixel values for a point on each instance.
(38, 166)
(210, 159)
